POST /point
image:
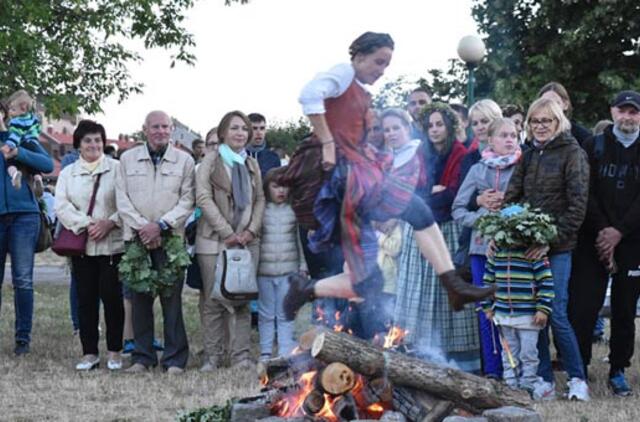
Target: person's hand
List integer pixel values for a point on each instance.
(608, 239)
(489, 314)
(540, 319)
(491, 248)
(154, 244)
(438, 188)
(535, 253)
(149, 233)
(490, 199)
(245, 237)
(99, 229)
(304, 274)
(232, 241)
(8, 152)
(388, 226)
(328, 155)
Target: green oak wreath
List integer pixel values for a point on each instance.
(137, 273)
(517, 226)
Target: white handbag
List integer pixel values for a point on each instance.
(235, 277)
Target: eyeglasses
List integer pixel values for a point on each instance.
(545, 122)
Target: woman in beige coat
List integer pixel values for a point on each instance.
(229, 193)
(96, 271)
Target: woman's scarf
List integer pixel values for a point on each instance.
(493, 160)
(240, 180)
(403, 154)
(90, 166)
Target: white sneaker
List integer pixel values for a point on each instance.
(88, 363)
(544, 391)
(578, 389)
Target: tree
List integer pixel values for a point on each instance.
(287, 135)
(589, 46)
(70, 53)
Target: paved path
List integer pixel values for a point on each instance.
(43, 274)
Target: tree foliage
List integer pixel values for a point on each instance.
(592, 47)
(287, 135)
(72, 53)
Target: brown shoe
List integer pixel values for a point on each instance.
(136, 368)
(461, 293)
(301, 291)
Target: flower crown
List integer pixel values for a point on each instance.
(441, 108)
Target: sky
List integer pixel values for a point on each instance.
(256, 57)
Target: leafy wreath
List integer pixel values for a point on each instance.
(138, 273)
(517, 226)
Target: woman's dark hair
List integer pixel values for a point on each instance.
(512, 109)
(272, 176)
(86, 127)
(562, 93)
(369, 42)
(449, 117)
(226, 121)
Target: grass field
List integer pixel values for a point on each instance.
(44, 385)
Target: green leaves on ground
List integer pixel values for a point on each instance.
(208, 414)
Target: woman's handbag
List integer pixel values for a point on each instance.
(70, 244)
(235, 277)
(44, 236)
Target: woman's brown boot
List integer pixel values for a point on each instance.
(301, 291)
(461, 292)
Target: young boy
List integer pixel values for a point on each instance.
(23, 131)
(520, 308)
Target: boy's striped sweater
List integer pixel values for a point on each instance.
(25, 127)
(524, 286)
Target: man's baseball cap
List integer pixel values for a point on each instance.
(623, 98)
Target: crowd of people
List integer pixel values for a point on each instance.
(373, 219)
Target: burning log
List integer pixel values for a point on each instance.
(377, 390)
(465, 390)
(313, 403)
(405, 403)
(281, 371)
(345, 408)
(336, 379)
(306, 339)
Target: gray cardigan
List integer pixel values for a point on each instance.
(480, 178)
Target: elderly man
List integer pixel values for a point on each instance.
(610, 239)
(417, 99)
(155, 195)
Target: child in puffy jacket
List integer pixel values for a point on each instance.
(280, 256)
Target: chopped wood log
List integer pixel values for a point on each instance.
(345, 408)
(405, 403)
(336, 379)
(464, 389)
(305, 342)
(377, 390)
(440, 411)
(280, 372)
(313, 403)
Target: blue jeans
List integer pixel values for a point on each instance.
(18, 238)
(272, 322)
(563, 334)
(73, 302)
(489, 336)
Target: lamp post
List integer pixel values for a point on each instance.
(471, 50)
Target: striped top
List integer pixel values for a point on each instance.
(25, 127)
(524, 286)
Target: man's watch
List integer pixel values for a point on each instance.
(164, 227)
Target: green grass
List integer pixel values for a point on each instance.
(44, 385)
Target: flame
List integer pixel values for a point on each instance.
(291, 405)
(394, 337)
(375, 408)
(264, 379)
(320, 313)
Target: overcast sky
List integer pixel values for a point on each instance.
(257, 57)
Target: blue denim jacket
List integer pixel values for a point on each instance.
(22, 200)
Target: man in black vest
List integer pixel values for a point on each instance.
(609, 241)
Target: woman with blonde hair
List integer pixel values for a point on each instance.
(553, 175)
